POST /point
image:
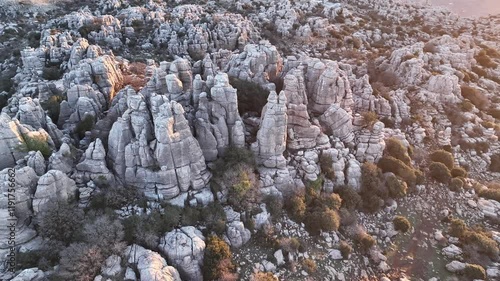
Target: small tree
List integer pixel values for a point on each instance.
(401, 224)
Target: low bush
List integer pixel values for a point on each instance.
(80, 262)
(115, 198)
(61, 222)
(456, 184)
(105, 233)
(331, 201)
(370, 118)
(326, 162)
(484, 60)
(321, 220)
(493, 194)
(466, 106)
(458, 172)
(309, 266)
(251, 96)
(53, 106)
(290, 245)
(457, 228)
(475, 96)
(484, 244)
(36, 143)
(439, 172)
(296, 207)
(397, 188)
(401, 224)
(44, 258)
(217, 259)
(345, 249)
(350, 198)
(396, 149)
(495, 163)
(399, 168)
(366, 241)
(444, 157)
(262, 276)
(51, 73)
(86, 124)
(474, 271)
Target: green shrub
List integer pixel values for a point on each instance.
(51, 73)
(61, 222)
(214, 217)
(495, 163)
(321, 220)
(396, 149)
(397, 188)
(44, 258)
(345, 249)
(458, 172)
(115, 198)
(456, 184)
(399, 168)
(326, 162)
(350, 198)
(331, 201)
(106, 233)
(217, 259)
(251, 96)
(475, 96)
(401, 224)
(36, 143)
(86, 124)
(444, 157)
(439, 172)
(474, 271)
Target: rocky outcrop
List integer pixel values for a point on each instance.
(158, 155)
(327, 84)
(302, 134)
(338, 123)
(218, 123)
(445, 87)
(30, 274)
(236, 234)
(37, 162)
(258, 63)
(370, 143)
(25, 181)
(150, 265)
(53, 186)
(82, 100)
(184, 249)
(271, 137)
(93, 167)
(62, 160)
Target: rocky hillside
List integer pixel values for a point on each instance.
(248, 140)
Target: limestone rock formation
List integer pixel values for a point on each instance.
(53, 186)
(218, 124)
(237, 235)
(94, 166)
(271, 137)
(184, 249)
(150, 265)
(338, 123)
(37, 162)
(370, 143)
(301, 133)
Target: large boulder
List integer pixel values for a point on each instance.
(184, 249)
(150, 265)
(54, 185)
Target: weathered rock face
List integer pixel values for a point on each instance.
(93, 167)
(301, 133)
(150, 265)
(53, 186)
(30, 274)
(258, 63)
(327, 84)
(370, 143)
(82, 100)
(12, 135)
(445, 87)
(61, 160)
(218, 123)
(160, 155)
(31, 113)
(25, 185)
(271, 137)
(184, 248)
(37, 162)
(338, 123)
(237, 235)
